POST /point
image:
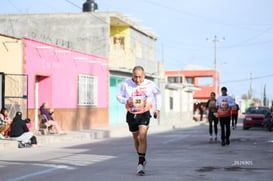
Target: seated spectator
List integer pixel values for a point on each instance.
(20, 132)
(5, 122)
(2, 129)
(50, 121)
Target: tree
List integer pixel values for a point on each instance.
(245, 96)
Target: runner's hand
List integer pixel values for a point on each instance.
(130, 102)
(156, 114)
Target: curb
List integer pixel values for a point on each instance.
(72, 136)
(94, 134)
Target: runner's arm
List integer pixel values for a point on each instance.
(121, 96)
(157, 96)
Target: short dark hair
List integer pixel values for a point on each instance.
(213, 93)
(138, 67)
(3, 110)
(224, 88)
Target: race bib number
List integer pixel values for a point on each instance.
(224, 109)
(139, 103)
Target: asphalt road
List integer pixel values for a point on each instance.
(183, 154)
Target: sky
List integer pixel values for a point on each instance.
(186, 30)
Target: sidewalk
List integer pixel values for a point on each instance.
(93, 134)
(71, 136)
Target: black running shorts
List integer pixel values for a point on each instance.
(136, 120)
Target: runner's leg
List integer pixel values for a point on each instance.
(215, 120)
(142, 140)
(227, 122)
(223, 136)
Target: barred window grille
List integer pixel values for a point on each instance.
(190, 80)
(175, 79)
(87, 90)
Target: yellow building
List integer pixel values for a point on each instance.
(11, 51)
(13, 82)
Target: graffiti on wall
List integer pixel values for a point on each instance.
(56, 41)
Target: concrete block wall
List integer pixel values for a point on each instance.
(84, 32)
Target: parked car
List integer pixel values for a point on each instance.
(258, 116)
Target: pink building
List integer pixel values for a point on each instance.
(75, 84)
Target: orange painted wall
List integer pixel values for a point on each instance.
(203, 94)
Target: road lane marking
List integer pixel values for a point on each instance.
(173, 140)
(38, 173)
(82, 159)
(176, 138)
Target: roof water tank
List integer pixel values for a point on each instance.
(89, 6)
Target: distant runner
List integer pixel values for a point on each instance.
(224, 104)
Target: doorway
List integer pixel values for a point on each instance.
(42, 94)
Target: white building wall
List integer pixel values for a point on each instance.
(182, 112)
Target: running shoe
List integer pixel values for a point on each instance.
(2, 136)
(140, 170)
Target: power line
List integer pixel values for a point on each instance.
(91, 14)
(202, 17)
(246, 42)
(15, 7)
(174, 9)
(102, 20)
(247, 79)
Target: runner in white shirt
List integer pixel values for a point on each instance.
(224, 104)
(137, 94)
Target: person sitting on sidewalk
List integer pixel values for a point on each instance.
(2, 129)
(49, 121)
(5, 122)
(29, 123)
(20, 132)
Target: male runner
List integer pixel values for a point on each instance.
(224, 104)
(137, 94)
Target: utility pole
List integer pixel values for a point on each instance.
(264, 97)
(250, 88)
(216, 79)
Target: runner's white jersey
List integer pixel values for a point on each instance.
(142, 94)
(224, 104)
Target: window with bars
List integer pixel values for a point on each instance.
(190, 80)
(175, 79)
(87, 87)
